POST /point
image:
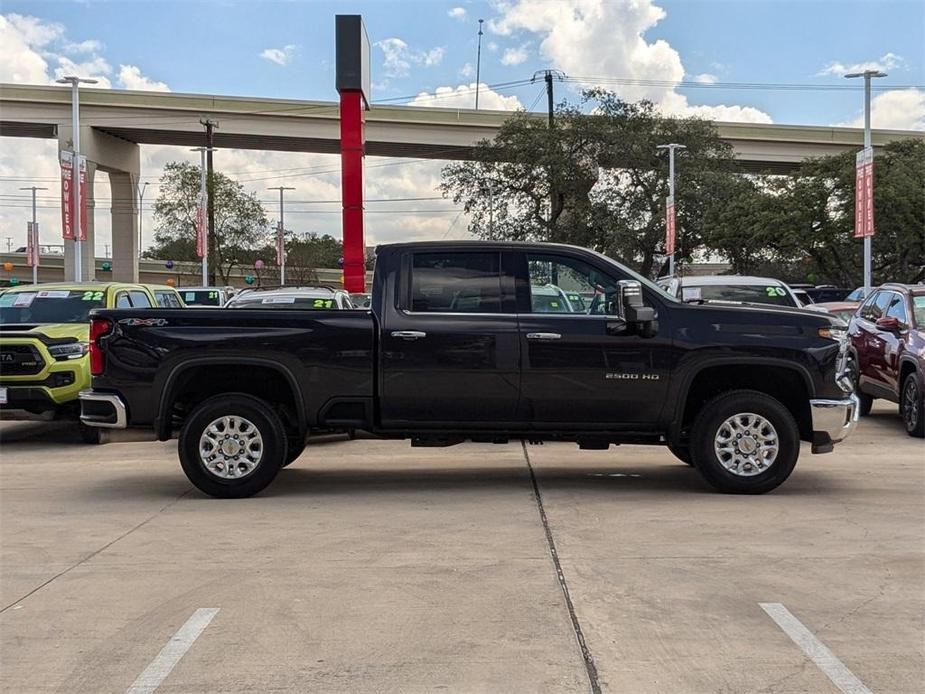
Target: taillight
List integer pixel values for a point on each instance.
(99, 327)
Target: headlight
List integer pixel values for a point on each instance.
(839, 333)
(71, 350)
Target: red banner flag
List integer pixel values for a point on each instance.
(864, 194)
(67, 197)
(200, 232)
(32, 244)
(670, 235)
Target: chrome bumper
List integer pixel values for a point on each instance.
(833, 420)
(102, 410)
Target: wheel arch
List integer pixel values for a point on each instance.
(794, 388)
(182, 374)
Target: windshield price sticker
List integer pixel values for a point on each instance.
(90, 296)
(278, 300)
(323, 303)
(691, 293)
(23, 300)
(57, 294)
(775, 291)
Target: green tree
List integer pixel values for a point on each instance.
(609, 179)
(241, 225)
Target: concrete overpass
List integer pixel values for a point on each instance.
(114, 123)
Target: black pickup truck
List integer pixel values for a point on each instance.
(484, 342)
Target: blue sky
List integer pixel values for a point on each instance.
(286, 49)
(215, 47)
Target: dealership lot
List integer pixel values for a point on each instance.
(372, 566)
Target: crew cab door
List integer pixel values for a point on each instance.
(450, 351)
(872, 344)
(580, 371)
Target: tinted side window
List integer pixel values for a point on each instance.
(559, 284)
(140, 299)
(456, 282)
(122, 300)
(897, 309)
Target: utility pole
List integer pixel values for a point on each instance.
(75, 83)
(35, 237)
(141, 214)
(669, 207)
(212, 250)
(868, 75)
(203, 204)
(555, 200)
(478, 65)
(9, 244)
(281, 237)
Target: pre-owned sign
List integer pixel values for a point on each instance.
(67, 197)
(864, 194)
(670, 235)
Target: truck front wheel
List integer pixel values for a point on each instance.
(745, 442)
(232, 445)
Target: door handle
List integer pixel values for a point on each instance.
(544, 336)
(409, 334)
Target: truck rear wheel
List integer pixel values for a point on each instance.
(232, 445)
(745, 442)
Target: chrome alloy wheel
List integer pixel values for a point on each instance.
(746, 444)
(231, 447)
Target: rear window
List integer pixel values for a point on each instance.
(202, 297)
(456, 283)
(775, 295)
(49, 306)
(309, 303)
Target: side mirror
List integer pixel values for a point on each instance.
(635, 312)
(889, 323)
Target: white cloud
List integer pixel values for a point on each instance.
(463, 96)
(457, 13)
(95, 68)
(516, 56)
(280, 56)
(706, 78)
(592, 39)
(399, 57)
(886, 62)
(88, 46)
(897, 109)
(130, 77)
(21, 40)
(466, 70)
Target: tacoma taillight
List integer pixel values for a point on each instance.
(99, 327)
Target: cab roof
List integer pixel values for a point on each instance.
(51, 286)
(721, 280)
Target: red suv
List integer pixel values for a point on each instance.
(887, 358)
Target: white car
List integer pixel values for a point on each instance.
(736, 288)
(312, 298)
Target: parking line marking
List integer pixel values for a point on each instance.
(157, 671)
(814, 649)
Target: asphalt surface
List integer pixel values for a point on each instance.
(369, 566)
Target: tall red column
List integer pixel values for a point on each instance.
(352, 144)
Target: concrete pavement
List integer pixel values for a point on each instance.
(371, 566)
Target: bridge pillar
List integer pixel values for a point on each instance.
(122, 161)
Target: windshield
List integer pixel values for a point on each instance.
(298, 302)
(856, 295)
(918, 309)
(202, 297)
(774, 295)
(49, 306)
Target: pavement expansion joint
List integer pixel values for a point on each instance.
(586, 654)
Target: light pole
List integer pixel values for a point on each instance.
(867, 75)
(281, 237)
(75, 83)
(35, 236)
(201, 241)
(478, 65)
(141, 214)
(671, 147)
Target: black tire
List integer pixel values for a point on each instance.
(267, 424)
(682, 453)
(294, 450)
(912, 405)
(707, 426)
(91, 435)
